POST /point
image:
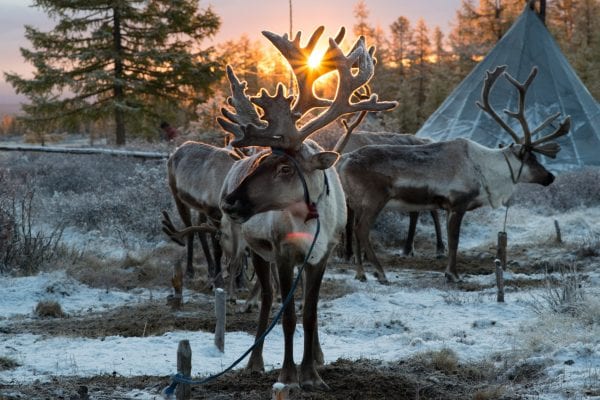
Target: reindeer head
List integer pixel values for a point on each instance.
(523, 148)
(289, 172)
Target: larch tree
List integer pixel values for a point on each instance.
(362, 27)
(420, 57)
(400, 42)
(132, 61)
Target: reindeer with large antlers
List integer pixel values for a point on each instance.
(458, 175)
(359, 140)
(279, 196)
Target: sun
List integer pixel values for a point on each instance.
(315, 60)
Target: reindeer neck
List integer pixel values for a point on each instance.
(496, 174)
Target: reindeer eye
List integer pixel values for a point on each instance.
(285, 169)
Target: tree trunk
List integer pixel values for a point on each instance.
(118, 93)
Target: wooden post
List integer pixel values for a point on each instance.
(220, 311)
(184, 367)
(501, 250)
(176, 299)
(280, 391)
(499, 281)
(558, 235)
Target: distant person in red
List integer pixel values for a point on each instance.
(168, 132)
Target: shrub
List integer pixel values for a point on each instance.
(562, 295)
(23, 248)
(49, 309)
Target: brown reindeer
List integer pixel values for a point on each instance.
(278, 197)
(458, 175)
(196, 172)
(357, 141)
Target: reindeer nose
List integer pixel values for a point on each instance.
(230, 205)
(549, 179)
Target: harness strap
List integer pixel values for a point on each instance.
(310, 205)
(512, 174)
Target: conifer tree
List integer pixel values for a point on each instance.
(125, 60)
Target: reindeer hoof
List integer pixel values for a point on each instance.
(318, 386)
(361, 277)
(382, 279)
(452, 278)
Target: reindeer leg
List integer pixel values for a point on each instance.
(454, 220)
(440, 249)
(288, 374)
(410, 237)
(349, 233)
(275, 282)
(363, 231)
(309, 377)
(206, 249)
(240, 277)
(317, 351)
(218, 253)
(186, 216)
(256, 363)
(360, 270)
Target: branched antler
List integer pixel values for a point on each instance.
(540, 145)
(246, 113)
(306, 76)
(178, 235)
(349, 127)
(277, 126)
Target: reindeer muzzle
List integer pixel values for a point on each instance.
(236, 209)
(548, 180)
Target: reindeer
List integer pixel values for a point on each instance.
(357, 141)
(278, 197)
(196, 172)
(458, 175)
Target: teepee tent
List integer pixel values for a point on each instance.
(557, 88)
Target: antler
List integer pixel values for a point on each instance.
(280, 116)
(490, 78)
(246, 112)
(349, 128)
(178, 235)
(540, 145)
(298, 57)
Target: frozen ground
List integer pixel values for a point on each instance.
(373, 322)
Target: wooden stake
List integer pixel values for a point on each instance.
(558, 235)
(501, 250)
(499, 281)
(184, 367)
(220, 311)
(176, 299)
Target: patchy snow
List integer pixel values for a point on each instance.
(376, 322)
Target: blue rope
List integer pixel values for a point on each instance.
(179, 378)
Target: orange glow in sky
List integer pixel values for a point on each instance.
(237, 17)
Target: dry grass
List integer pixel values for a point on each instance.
(7, 363)
(49, 309)
(563, 294)
(148, 269)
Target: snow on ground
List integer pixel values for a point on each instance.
(376, 322)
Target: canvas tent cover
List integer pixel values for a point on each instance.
(556, 88)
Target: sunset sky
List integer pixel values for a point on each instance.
(237, 17)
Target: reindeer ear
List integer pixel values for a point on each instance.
(322, 160)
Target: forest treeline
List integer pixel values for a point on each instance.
(124, 66)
